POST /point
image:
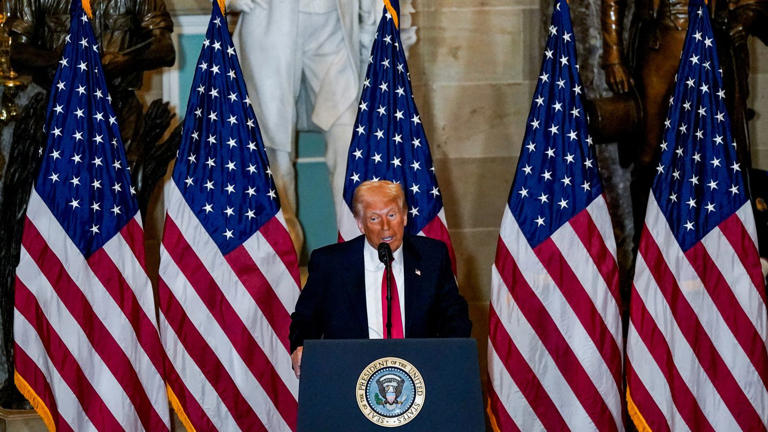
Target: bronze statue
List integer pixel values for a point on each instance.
(644, 69)
(134, 37)
(657, 32)
(733, 22)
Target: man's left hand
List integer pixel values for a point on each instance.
(296, 361)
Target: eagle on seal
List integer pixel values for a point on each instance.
(391, 387)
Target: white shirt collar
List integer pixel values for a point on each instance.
(372, 256)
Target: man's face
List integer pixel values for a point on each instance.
(383, 221)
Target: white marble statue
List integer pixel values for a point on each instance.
(303, 62)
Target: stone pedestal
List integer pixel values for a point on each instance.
(20, 421)
(29, 421)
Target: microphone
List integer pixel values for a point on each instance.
(385, 253)
(385, 256)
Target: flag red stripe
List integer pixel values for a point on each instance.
(503, 420)
(728, 305)
(437, 230)
(644, 401)
(134, 236)
(28, 369)
(702, 346)
(262, 293)
(278, 237)
(733, 229)
(110, 277)
(207, 360)
(237, 332)
(523, 376)
(657, 345)
(581, 304)
(65, 363)
(192, 408)
(590, 236)
(101, 339)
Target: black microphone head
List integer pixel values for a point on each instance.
(385, 253)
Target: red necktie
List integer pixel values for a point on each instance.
(397, 320)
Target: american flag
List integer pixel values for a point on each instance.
(229, 276)
(87, 350)
(389, 142)
(696, 353)
(555, 343)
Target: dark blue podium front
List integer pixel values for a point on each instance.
(330, 384)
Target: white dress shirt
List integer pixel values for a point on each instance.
(374, 271)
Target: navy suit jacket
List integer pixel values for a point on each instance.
(332, 303)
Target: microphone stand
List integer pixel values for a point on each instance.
(388, 269)
(385, 256)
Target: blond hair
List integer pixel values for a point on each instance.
(382, 188)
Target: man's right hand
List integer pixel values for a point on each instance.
(618, 79)
(296, 361)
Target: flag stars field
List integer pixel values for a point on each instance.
(699, 77)
(230, 109)
(82, 131)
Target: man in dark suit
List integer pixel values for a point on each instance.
(344, 297)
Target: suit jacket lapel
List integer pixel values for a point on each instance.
(411, 260)
(355, 266)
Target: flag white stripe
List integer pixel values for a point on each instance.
(195, 380)
(72, 335)
(748, 219)
(441, 215)
(589, 277)
(690, 369)
(712, 321)
(562, 314)
(537, 357)
(598, 211)
(231, 287)
(274, 270)
(647, 371)
(101, 301)
(67, 403)
(588, 274)
(150, 377)
(736, 275)
(126, 262)
(217, 340)
(347, 224)
(509, 394)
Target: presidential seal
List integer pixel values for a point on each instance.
(390, 392)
